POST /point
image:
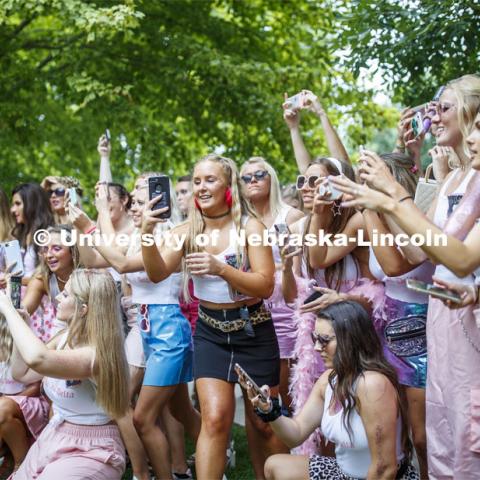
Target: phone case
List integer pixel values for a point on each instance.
(257, 389)
(429, 289)
(156, 187)
(16, 291)
(13, 254)
(231, 260)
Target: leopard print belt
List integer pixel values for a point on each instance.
(226, 326)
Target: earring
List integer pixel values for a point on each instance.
(336, 209)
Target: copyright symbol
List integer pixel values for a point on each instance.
(41, 237)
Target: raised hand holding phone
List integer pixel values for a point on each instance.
(252, 388)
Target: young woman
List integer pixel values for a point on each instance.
(86, 378)
(357, 403)
(262, 189)
(233, 324)
(451, 334)
(56, 188)
(165, 332)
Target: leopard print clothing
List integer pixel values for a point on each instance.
(326, 468)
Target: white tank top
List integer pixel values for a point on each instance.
(144, 291)
(280, 219)
(353, 455)
(442, 212)
(212, 288)
(75, 400)
(395, 286)
(9, 386)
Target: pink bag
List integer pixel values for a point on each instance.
(475, 420)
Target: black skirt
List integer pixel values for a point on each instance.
(215, 353)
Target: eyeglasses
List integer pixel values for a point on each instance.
(59, 192)
(303, 180)
(259, 176)
(144, 318)
(322, 340)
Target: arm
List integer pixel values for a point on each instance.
(294, 431)
(104, 149)
(33, 295)
(378, 411)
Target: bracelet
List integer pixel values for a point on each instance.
(274, 412)
(405, 198)
(90, 230)
(400, 147)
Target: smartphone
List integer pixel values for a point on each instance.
(314, 296)
(231, 260)
(16, 290)
(295, 102)
(241, 372)
(433, 290)
(72, 195)
(417, 123)
(327, 187)
(107, 135)
(13, 256)
(160, 186)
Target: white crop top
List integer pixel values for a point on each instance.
(144, 291)
(395, 286)
(212, 288)
(353, 456)
(442, 212)
(9, 386)
(75, 400)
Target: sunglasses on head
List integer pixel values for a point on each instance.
(59, 192)
(259, 176)
(303, 180)
(322, 340)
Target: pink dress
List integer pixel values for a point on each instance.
(453, 380)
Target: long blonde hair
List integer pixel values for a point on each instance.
(276, 202)
(6, 220)
(467, 92)
(101, 328)
(240, 207)
(6, 342)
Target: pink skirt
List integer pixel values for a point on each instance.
(35, 412)
(453, 393)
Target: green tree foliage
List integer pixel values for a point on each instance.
(418, 44)
(171, 79)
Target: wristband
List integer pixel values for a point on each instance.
(274, 412)
(405, 198)
(90, 230)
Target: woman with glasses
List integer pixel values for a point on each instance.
(230, 280)
(164, 331)
(357, 403)
(452, 337)
(56, 188)
(85, 375)
(262, 188)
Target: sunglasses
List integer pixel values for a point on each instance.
(259, 176)
(322, 340)
(144, 318)
(303, 180)
(444, 107)
(59, 192)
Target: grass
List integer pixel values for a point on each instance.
(243, 469)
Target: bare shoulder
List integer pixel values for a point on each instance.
(321, 383)
(294, 214)
(254, 225)
(180, 229)
(373, 386)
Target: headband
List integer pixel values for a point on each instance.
(337, 164)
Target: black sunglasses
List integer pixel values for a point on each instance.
(323, 340)
(59, 192)
(259, 176)
(302, 180)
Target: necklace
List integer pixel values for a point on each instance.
(213, 217)
(60, 280)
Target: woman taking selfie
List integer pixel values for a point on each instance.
(233, 324)
(86, 378)
(357, 403)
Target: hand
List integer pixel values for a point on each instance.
(254, 397)
(311, 102)
(3, 281)
(291, 117)
(203, 263)
(5, 300)
(443, 158)
(287, 253)
(328, 298)
(104, 148)
(362, 196)
(375, 172)
(321, 203)
(150, 217)
(406, 136)
(468, 293)
(79, 218)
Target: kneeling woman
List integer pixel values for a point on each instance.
(86, 377)
(357, 403)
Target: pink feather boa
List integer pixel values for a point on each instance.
(309, 365)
